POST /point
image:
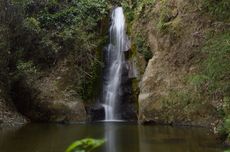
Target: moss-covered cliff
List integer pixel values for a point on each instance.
(187, 79)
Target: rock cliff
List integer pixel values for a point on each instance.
(176, 32)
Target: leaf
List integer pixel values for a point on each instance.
(85, 145)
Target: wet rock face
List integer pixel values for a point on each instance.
(97, 112)
(127, 106)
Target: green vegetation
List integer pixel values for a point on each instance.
(142, 47)
(26, 67)
(164, 17)
(226, 126)
(211, 83)
(219, 9)
(214, 77)
(141, 5)
(4, 48)
(4, 55)
(31, 24)
(168, 21)
(216, 68)
(55, 30)
(85, 145)
(181, 98)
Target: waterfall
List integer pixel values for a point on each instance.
(114, 63)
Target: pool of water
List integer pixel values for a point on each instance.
(120, 137)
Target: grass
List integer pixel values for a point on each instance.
(213, 79)
(219, 9)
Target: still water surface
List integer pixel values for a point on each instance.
(121, 137)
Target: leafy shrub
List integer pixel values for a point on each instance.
(227, 126)
(140, 5)
(26, 67)
(128, 9)
(75, 12)
(32, 24)
(85, 145)
(142, 47)
(52, 30)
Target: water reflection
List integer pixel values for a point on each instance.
(180, 139)
(111, 138)
(121, 137)
(40, 138)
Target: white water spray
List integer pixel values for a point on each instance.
(114, 62)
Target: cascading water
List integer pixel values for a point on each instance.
(114, 63)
